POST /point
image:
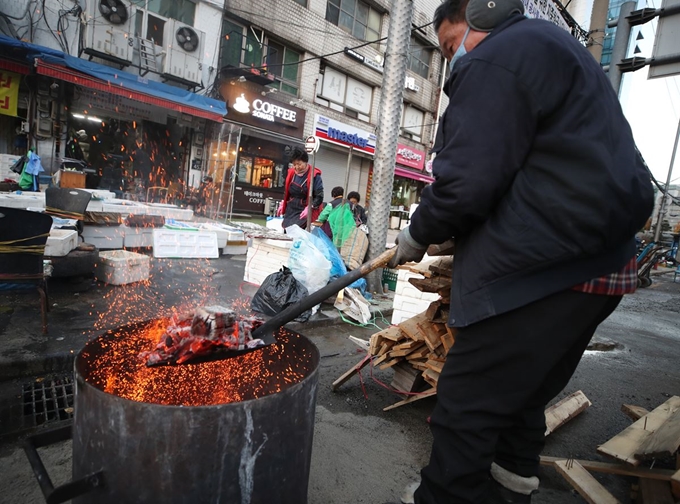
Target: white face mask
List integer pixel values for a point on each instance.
(461, 51)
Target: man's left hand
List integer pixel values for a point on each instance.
(407, 249)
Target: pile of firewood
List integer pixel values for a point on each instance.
(416, 348)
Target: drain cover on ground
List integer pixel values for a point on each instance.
(43, 402)
(48, 401)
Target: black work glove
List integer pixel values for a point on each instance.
(407, 249)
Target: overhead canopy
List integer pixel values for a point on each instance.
(402, 172)
(52, 63)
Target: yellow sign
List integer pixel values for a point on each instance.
(9, 92)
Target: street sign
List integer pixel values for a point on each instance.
(311, 144)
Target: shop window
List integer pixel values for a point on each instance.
(412, 123)
(243, 46)
(283, 63)
(345, 94)
(355, 17)
(419, 57)
(181, 10)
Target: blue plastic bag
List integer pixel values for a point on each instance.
(338, 268)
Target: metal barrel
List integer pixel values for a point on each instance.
(252, 452)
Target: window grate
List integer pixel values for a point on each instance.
(47, 401)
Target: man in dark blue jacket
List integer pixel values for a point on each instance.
(538, 180)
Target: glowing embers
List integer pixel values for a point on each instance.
(112, 364)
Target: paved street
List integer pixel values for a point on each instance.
(361, 454)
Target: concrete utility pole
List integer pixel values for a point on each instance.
(389, 122)
(621, 41)
(598, 22)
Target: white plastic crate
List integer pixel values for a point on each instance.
(174, 243)
(231, 240)
(120, 267)
(104, 237)
(60, 242)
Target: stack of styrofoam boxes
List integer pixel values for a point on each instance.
(265, 256)
(120, 267)
(409, 301)
(60, 242)
(6, 162)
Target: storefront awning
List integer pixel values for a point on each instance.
(403, 172)
(85, 73)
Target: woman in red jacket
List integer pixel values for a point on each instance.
(297, 191)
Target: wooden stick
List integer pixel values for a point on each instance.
(560, 413)
(414, 398)
(620, 469)
(351, 372)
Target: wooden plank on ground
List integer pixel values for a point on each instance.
(664, 442)
(413, 398)
(634, 412)
(410, 327)
(584, 482)
(656, 492)
(613, 468)
(560, 413)
(350, 372)
(624, 445)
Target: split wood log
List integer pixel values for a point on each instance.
(664, 442)
(560, 413)
(626, 444)
(406, 378)
(442, 249)
(434, 284)
(411, 329)
(584, 482)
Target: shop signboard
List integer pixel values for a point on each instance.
(252, 107)
(408, 156)
(545, 9)
(252, 199)
(9, 92)
(343, 134)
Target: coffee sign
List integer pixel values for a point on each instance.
(248, 106)
(408, 156)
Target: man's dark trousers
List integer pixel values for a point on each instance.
(491, 395)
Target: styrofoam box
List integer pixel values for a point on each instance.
(137, 237)
(120, 267)
(60, 242)
(104, 237)
(174, 243)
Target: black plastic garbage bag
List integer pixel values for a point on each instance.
(278, 291)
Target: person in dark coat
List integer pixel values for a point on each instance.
(538, 180)
(358, 211)
(296, 191)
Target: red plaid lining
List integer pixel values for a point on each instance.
(615, 284)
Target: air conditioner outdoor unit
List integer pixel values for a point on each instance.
(107, 30)
(183, 51)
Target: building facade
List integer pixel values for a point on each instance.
(321, 63)
(117, 84)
